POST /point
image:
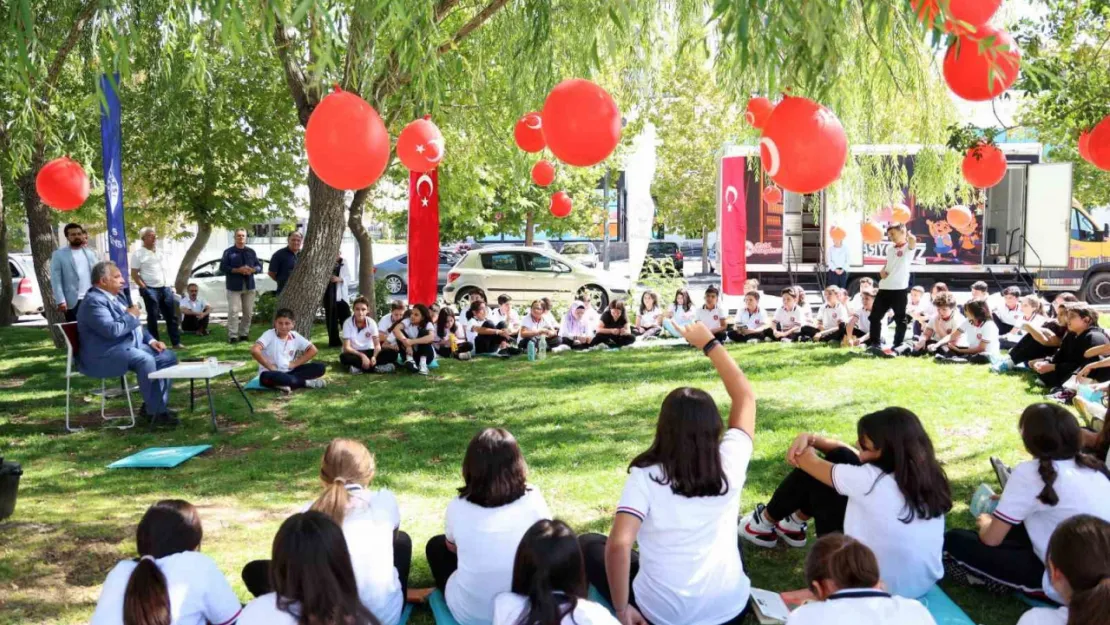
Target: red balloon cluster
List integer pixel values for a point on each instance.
(346, 141)
(420, 146)
(980, 75)
(581, 122)
(560, 204)
(1098, 145)
(803, 148)
(984, 166)
(759, 110)
(528, 132)
(62, 184)
(543, 173)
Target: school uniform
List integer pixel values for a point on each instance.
(485, 541)
(390, 349)
(484, 343)
(831, 318)
(613, 340)
(510, 320)
(443, 342)
(712, 319)
(532, 325)
(1028, 348)
(797, 317)
(192, 323)
(922, 309)
(1007, 318)
(264, 610)
(198, 591)
(688, 570)
(860, 329)
(1018, 563)
(679, 317)
(941, 328)
(985, 334)
(282, 352)
(509, 607)
(1045, 616)
(893, 294)
(413, 331)
(361, 338)
(1070, 357)
(648, 324)
(751, 325)
(862, 606)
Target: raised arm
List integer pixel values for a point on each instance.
(741, 414)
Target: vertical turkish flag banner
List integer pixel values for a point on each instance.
(423, 262)
(734, 225)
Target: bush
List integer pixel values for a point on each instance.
(381, 299)
(265, 306)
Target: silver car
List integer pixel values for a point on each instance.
(395, 271)
(585, 253)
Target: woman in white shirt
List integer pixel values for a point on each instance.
(1078, 561)
(537, 326)
(448, 326)
(681, 313)
(415, 335)
(549, 583)
(473, 561)
(844, 576)
(381, 554)
(678, 502)
(171, 582)
(1008, 551)
(576, 332)
(891, 495)
(313, 581)
(648, 322)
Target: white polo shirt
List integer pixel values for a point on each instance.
(543, 324)
(923, 308)
(649, 318)
(942, 328)
(471, 327)
(683, 317)
(751, 320)
(198, 591)
(281, 352)
(411, 330)
(790, 319)
(496, 316)
(862, 318)
(1044, 616)
(986, 333)
(362, 338)
(384, 327)
(897, 268)
(508, 607)
(1009, 316)
(832, 316)
(863, 606)
(84, 271)
(149, 265)
(193, 305)
(909, 554)
(711, 317)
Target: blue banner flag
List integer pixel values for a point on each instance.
(111, 145)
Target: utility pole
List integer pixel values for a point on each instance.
(605, 225)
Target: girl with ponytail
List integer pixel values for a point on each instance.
(1061, 481)
(549, 582)
(138, 592)
(1079, 567)
(844, 576)
(380, 552)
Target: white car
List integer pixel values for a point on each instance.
(212, 285)
(585, 253)
(26, 298)
(526, 274)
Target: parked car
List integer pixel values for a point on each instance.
(26, 298)
(212, 285)
(585, 253)
(662, 250)
(395, 271)
(527, 273)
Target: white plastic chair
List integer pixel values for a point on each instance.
(73, 346)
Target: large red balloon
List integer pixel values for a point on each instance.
(974, 13)
(420, 146)
(581, 122)
(984, 166)
(528, 133)
(772, 194)
(62, 184)
(346, 141)
(981, 75)
(543, 173)
(759, 110)
(1099, 145)
(560, 204)
(1085, 146)
(804, 147)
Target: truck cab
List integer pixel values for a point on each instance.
(1088, 271)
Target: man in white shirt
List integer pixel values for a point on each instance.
(70, 270)
(147, 272)
(195, 311)
(894, 286)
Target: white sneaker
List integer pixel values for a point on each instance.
(560, 348)
(284, 389)
(422, 367)
(792, 531)
(787, 341)
(464, 355)
(386, 368)
(317, 383)
(355, 371)
(757, 531)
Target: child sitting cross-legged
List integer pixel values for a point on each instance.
(712, 316)
(415, 334)
(285, 357)
(361, 344)
(831, 316)
(650, 318)
(1076, 348)
(940, 327)
(858, 328)
(1039, 342)
(792, 322)
(751, 322)
(613, 329)
(1030, 317)
(981, 334)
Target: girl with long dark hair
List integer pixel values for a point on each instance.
(650, 316)
(311, 576)
(447, 326)
(171, 581)
(680, 314)
(613, 329)
(549, 582)
(415, 334)
(677, 504)
(891, 494)
(1061, 481)
(1078, 561)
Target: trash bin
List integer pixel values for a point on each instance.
(9, 486)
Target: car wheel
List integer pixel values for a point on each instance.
(596, 296)
(462, 300)
(394, 284)
(1098, 289)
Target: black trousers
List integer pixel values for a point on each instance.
(570, 343)
(805, 332)
(552, 341)
(441, 560)
(802, 492)
(1029, 349)
(1011, 565)
(946, 355)
(192, 323)
(887, 300)
(832, 279)
(71, 313)
(1003, 327)
(593, 556)
(616, 340)
(739, 337)
(489, 343)
(335, 314)
(463, 347)
(256, 574)
(841, 332)
(294, 378)
(352, 360)
(159, 302)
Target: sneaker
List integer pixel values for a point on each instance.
(285, 389)
(232, 341)
(411, 365)
(317, 383)
(1063, 396)
(355, 370)
(757, 531)
(751, 341)
(178, 347)
(245, 339)
(874, 350)
(464, 355)
(786, 341)
(560, 348)
(792, 531)
(423, 368)
(531, 350)
(386, 368)
(1002, 365)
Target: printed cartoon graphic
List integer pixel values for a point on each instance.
(941, 231)
(969, 237)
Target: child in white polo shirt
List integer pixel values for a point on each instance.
(1078, 560)
(920, 310)
(1030, 316)
(361, 344)
(1007, 314)
(713, 316)
(982, 338)
(285, 357)
(751, 322)
(940, 327)
(894, 286)
(792, 321)
(858, 328)
(831, 317)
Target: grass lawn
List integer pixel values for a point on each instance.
(580, 418)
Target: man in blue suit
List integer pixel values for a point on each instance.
(71, 270)
(113, 341)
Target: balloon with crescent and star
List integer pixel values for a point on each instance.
(420, 145)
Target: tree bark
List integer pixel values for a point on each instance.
(43, 243)
(7, 316)
(529, 228)
(204, 231)
(365, 248)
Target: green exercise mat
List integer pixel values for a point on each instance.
(159, 457)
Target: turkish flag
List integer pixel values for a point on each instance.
(734, 226)
(423, 261)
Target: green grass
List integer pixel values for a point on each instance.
(579, 418)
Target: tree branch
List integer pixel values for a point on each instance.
(68, 43)
(475, 22)
(359, 199)
(294, 75)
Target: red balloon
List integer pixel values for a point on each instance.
(420, 146)
(528, 132)
(759, 110)
(973, 74)
(560, 204)
(804, 147)
(581, 122)
(871, 232)
(543, 173)
(346, 141)
(1085, 146)
(62, 184)
(900, 213)
(1099, 145)
(975, 13)
(984, 166)
(926, 11)
(772, 194)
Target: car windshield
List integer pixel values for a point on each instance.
(662, 248)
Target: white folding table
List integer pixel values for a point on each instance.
(193, 371)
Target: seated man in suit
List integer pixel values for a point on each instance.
(113, 341)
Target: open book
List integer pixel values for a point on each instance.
(769, 608)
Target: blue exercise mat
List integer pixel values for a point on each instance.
(405, 614)
(438, 603)
(595, 596)
(944, 610)
(159, 457)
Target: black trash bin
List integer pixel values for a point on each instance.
(9, 486)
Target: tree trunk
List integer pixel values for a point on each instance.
(43, 243)
(305, 289)
(529, 228)
(204, 231)
(365, 251)
(7, 316)
(704, 249)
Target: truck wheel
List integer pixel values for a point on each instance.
(1098, 289)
